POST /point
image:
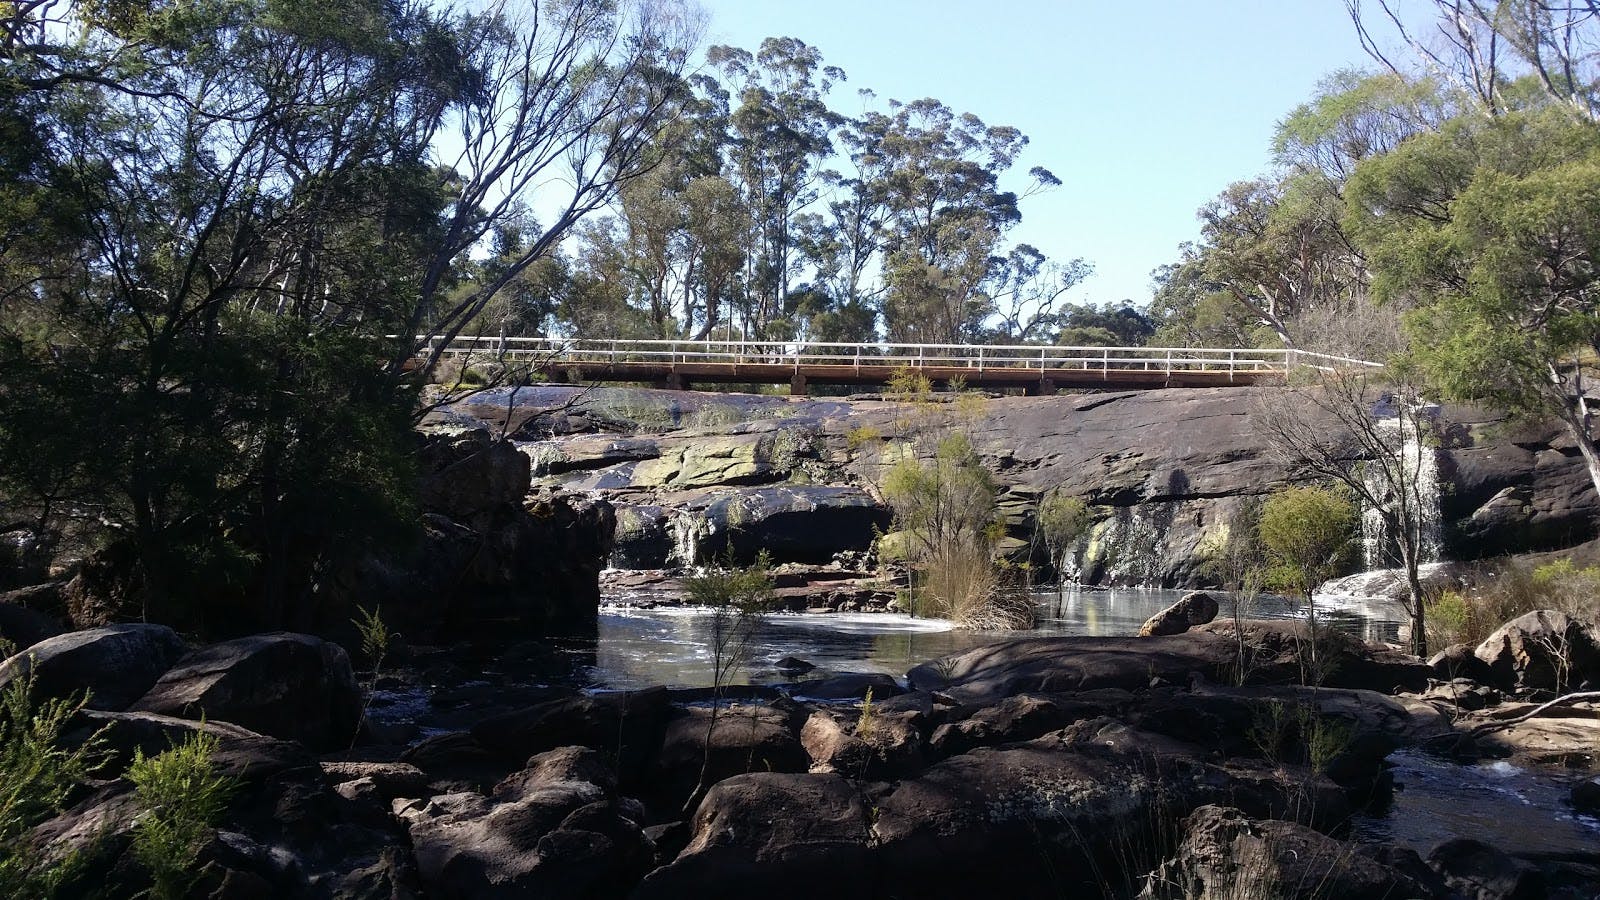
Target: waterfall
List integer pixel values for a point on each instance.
(1420, 464)
(687, 531)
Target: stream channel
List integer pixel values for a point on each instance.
(1518, 810)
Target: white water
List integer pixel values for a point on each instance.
(1420, 466)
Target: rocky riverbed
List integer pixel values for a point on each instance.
(1030, 767)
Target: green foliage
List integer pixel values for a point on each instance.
(1488, 226)
(1451, 619)
(1307, 533)
(867, 721)
(746, 590)
(863, 435)
(181, 796)
(1061, 519)
(37, 775)
(375, 635)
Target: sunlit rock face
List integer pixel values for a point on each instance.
(1164, 471)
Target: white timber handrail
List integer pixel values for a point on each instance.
(979, 357)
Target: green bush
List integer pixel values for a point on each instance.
(37, 774)
(181, 795)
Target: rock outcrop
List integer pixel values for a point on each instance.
(493, 556)
(1164, 472)
(291, 686)
(1193, 608)
(115, 664)
(1542, 649)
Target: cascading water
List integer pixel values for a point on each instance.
(1420, 467)
(687, 532)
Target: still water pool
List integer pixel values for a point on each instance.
(671, 645)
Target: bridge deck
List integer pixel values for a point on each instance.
(683, 364)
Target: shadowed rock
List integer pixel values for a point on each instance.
(115, 663)
(291, 686)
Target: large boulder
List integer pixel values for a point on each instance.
(291, 686)
(1026, 821)
(493, 557)
(1194, 608)
(772, 835)
(629, 725)
(1476, 871)
(468, 474)
(1542, 649)
(21, 623)
(697, 753)
(239, 752)
(1275, 650)
(550, 831)
(1225, 855)
(116, 664)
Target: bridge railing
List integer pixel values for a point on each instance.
(978, 357)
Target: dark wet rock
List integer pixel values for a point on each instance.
(1476, 871)
(470, 474)
(791, 665)
(772, 835)
(1586, 796)
(1542, 649)
(793, 523)
(875, 745)
(627, 724)
(115, 663)
(22, 622)
(1022, 718)
(240, 752)
(291, 686)
(849, 686)
(1194, 608)
(745, 738)
(1225, 855)
(644, 538)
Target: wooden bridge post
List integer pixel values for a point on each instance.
(797, 385)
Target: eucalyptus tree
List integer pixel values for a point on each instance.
(780, 133)
(946, 215)
(256, 195)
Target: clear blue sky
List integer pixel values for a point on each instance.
(1144, 111)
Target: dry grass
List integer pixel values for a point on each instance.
(1510, 590)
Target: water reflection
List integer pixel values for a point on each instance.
(637, 647)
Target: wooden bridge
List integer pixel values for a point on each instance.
(1036, 369)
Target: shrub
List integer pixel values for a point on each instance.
(37, 775)
(1452, 619)
(1307, 533)
(181, 796)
